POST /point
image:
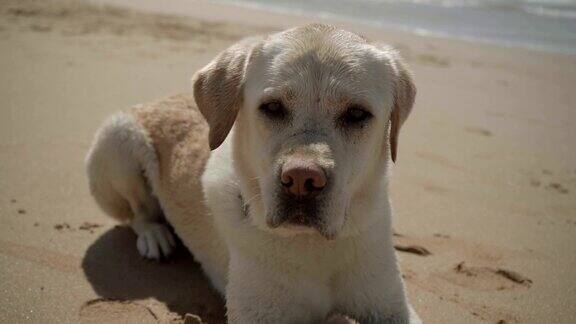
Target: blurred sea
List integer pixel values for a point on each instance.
(540, 24)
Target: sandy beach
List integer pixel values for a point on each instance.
(484, 190)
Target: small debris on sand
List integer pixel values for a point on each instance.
(460, 267)
(21, 211)
(13, 200)
(508, 274)
(414, 249)
(514, 276)
(558, 187)
(87, 226)
(63, 226)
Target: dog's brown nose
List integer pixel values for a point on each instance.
(303, 179)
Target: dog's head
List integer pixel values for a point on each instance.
(316, 112)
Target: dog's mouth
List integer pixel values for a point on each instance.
(295, 214)
(299, 216)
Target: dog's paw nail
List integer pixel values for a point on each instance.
(141, 245)
(155, 242)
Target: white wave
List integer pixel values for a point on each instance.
(554, 31)
(550, 12)
(504, 4)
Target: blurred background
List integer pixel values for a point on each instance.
(541, 24)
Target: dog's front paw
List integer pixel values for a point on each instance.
(155, 241)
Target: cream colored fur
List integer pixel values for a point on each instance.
(155, 158)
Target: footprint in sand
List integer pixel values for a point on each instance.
(115, 311)
(485, 278)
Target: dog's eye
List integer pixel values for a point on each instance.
(273, 109)
(355, 115)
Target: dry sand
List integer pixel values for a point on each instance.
(484, 189)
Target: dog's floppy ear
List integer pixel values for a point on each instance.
(218, 89)
(404, 94)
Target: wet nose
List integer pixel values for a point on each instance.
(303, 179)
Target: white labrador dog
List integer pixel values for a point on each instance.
(290, 214)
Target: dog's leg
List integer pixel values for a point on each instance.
(368, 300)
(261, 294)
(118, 160)
(154, 238)
(371, 290)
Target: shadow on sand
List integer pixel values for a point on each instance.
(116, 271)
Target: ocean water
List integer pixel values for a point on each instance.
(540, 24)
